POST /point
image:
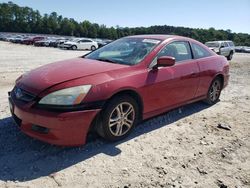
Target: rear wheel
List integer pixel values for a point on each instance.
(93, 48)
(214, 91)
(118, 118)
(74, 47)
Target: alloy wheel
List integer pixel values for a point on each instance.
(215, 91)
(121, 119)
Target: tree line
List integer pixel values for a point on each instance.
(14, 18)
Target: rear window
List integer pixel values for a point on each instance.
(212, 44)
(231, 44)
(199, 51)
(225, 44)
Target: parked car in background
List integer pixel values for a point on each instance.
(16, 39)
(103, 42)
(46, 42)
(112, 89)
(80, 44)
(40, 42)
(246, 49)
(242, 49)
(239, 48)
(32, 40)
(2, 37)
(58, 43)
(5, 37)
(225, 48)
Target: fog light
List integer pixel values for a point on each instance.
(40, 129)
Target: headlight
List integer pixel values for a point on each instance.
(69, 96)
(217, 50)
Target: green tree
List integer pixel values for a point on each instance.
(14, 18)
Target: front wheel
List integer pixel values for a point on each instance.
(230, 56)
(214, 91)
(118, 118)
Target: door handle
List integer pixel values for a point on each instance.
(193, 74)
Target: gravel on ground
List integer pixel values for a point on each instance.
(185, 147)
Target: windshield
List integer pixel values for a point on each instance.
(75, 40)
(126, 51)
(212, 44)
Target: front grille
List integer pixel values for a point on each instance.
(40, 129)
(22, 95)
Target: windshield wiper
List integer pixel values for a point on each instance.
(106, 60)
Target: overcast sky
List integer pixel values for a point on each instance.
(220, 14)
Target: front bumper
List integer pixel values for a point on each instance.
(62, 128)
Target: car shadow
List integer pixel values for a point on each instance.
(23, 158)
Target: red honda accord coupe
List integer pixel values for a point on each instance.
(113, 88)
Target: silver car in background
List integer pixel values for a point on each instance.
(225, 48)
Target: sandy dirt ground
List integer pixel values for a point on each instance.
(182, 148)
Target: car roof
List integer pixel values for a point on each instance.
(220, 41)
(159, 37)
(82, 38)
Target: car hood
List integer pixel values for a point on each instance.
(52, 74)
(211, 48)
(216, 49)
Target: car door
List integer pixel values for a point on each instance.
(168, 87)
(224, 49)
(206, 65)
(227, 49)
(81, 45)
(86, 44)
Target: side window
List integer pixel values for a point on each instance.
(226, 44)
(86, 40)
(179, 50)
(199, 51)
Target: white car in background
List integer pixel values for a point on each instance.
(81, 44)
(225, 48)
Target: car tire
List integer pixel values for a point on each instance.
(118, 118)
(93, 48)
(214, 91)
(230, 56)
(74, 47)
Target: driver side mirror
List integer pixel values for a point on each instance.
(165, 61)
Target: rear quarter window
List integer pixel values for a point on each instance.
(199, 51)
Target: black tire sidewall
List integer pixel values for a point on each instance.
(93, 48)
(105, 114)
(230, 56)
(74, 47)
